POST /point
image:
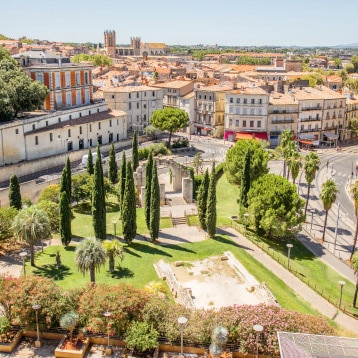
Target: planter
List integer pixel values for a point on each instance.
(64, 351)
(9, 347)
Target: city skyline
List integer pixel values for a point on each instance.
(231, 23)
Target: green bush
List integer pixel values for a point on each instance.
(4, 325)
(7, 216)
(142, 337)
(50, 193)
(52, 210)
(157, 149)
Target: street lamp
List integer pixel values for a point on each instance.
(107, 314)
(312, 212)
(114, 222)
(23, 257)
(181, 320)
(258, 329)
(246, 216)
(289, 246)
(341, 283)
(36, 307)
(336, 230)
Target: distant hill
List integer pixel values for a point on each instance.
(347, 46)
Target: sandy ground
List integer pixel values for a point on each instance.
(214, 284)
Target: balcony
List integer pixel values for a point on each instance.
(283, 121)
(314, 108)
(309, 130)
(309, 119)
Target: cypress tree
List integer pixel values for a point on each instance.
(148, 183)
(63, 182)
(66, 180)
(154, 204)
(211, 204)
(90, 168)
(112, 166)
(129, 215)
(65, 219)
(135, 158)
(122, 177)
(245, 180)
(99, 200)
(14, 193)
(203, 199)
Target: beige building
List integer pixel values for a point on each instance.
(138, 102)
(351, 113)
(210, 110)
(321, 114)
(246, 113)
(282, 115)
(60, 132)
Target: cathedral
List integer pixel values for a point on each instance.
(136, 48)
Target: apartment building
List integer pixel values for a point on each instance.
(246, 112)
(351, 116)
(282, 115)
(321, 114)
(60, 132)
(138, 102)
(70, 84)
(210, 110)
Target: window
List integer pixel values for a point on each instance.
(145, 94)
(244, 124)
(78, 82)
(57, 80)
(237, 123)
(110, 122)
(244, 111)
(252, 111)
(69, 133)
(36, 140)
(33, 127)
(154, 104)
(46, 123)
(245, 101)
(259, 111)
(231, 100)
(252, 101)
(70, 116)
(137, 105)
(80, 129)
(144, 117)
(129, 106)
(16, 131)
(112, 96)
(144, 105)
(237, 110)
(231, 109)
(153, 94)
(68, 79)
(99, 125)
(59, 120)
(230, 122)
(251, 124)
(258, 124)
(129, 95)
(137, 94)
(204, 96)
(199, 96)
(237, 100)
(90, 127)
(86, 78)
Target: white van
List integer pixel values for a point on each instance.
(94, 156)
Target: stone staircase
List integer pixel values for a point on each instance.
(181, 220)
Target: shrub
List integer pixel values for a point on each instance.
(50, 193)
(141, 336)
(52, 210)
(4, 325)
(157, 149)
(7, 216)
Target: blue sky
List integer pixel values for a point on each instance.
(186, 22)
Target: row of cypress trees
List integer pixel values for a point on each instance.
(207, 202)
(65, 204)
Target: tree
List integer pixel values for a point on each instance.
(129, 215)
(211, 204)
(65, 219)
(235, 159)
(294, 163)
(328, 196)
(245, 180)
(354, 263)
(99, 200)
(90, 256)
(154, 205)
(148, 183)
(286, 146)
(69, 321)
(122, 177)
(169, 119)
(135, 159)
(18, 92)
(14, 193)
(112, 166)
(52, 210)
(354, 61)
(65, 184)
(354, 192)
(90, 167)
(275, 206)
(203, 199)
(113, 249)
(30, 225)
(198, 163)
(310, 167)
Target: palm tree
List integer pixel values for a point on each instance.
(294, 162)
(328, 196)
(113, 248)
(354, 263)
(30, 225)
(310, 167)
(90, 256)
(354, 191)
(286, 145)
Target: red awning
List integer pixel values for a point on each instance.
(251, 135)
(306, 142)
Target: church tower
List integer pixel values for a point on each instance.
(110, 42)
(135, 44)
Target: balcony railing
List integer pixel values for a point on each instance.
(314, 108)
(309, 130)
(283, 121)
(312, 119)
